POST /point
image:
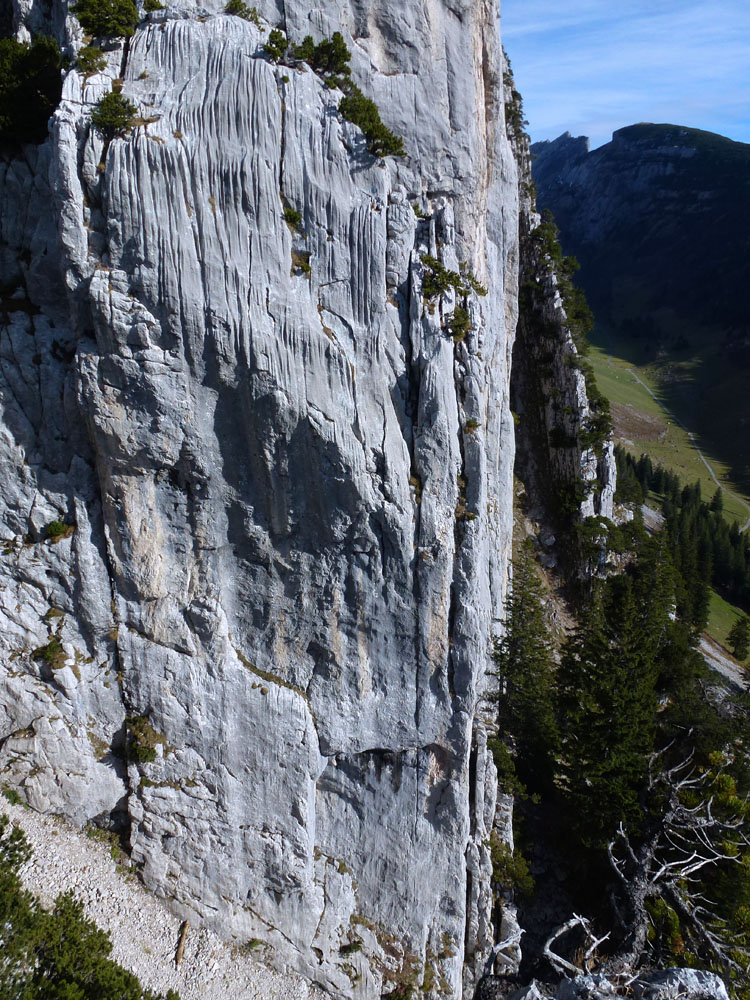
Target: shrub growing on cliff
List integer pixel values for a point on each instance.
(330, 58)
(301, 263)
(438, 279)
(241, 9)
(30, 89)
(57, 530)
(90, 60)
(305, 50)
(276, 46)
(113, 115)
(107, 18)
(52, 654)
(475, 285)
(459, 324)
(293, 218)
(363, 113)
(143, 739)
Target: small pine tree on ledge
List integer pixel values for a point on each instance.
(276, 46)
(330, 58)
(240, 9)
(113, 115)
(107, 18)
(363, 112)
(90, 60)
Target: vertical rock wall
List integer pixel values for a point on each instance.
(289, 494)
(566, 474)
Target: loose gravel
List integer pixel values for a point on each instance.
(719, 660)
(144, 932)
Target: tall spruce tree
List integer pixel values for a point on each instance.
(739, 637)
(607, 703)
(524, 661)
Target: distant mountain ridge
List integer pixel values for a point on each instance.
(659, 219)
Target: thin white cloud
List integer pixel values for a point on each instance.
(584, 68)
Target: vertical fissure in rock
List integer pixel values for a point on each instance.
(469, 898)
(124, 60)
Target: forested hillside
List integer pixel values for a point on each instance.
(626, 755)
(707, 548)
(629, 763)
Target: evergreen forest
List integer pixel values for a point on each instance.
(627, 758)
(707, 550)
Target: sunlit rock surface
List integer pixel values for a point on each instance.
(291, 491)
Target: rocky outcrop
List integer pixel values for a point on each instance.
(257, 636)
(664, 984)
(571, 474)
(565, 457)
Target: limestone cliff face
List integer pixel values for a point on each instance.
(291, 493)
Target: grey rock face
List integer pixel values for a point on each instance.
(291, 492)
(665, 984)
(586, 987)
(693, 984)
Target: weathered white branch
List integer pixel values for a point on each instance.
(558, 963)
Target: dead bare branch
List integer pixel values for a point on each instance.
(560, 964)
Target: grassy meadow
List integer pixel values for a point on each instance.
(644, 424)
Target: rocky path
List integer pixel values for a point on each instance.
(143, 931)
(691, 436)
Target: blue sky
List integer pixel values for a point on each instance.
(591, 66)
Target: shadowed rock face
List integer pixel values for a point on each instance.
(567, 476)
(269, 475)
(656, 215)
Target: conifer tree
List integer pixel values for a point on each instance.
(524, 661)
(607, 702)
(107, 18)
(56, 954)
(739, 637)
(30, 88)
(113, 115)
